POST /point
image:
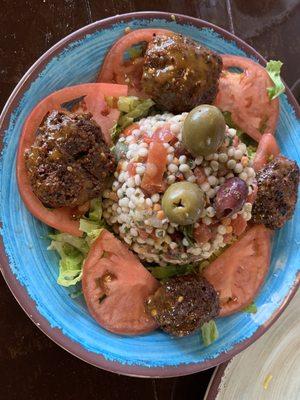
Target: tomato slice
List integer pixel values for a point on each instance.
(115, 286)
(239, 225)
(239, 272)
(152, 181)
(245, 96)
(115, 70)
(94, 102)
(267, 148)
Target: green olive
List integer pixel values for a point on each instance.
(203, 130)
(183, 203)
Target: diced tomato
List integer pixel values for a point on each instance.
(200, 175)
(160, 135)
(238, 273)
(245, 96)
(94, 102)
(116, 285)
(239, 225)
(115, 70)
(267, 149)
(131, 168)
(163, 134)
(143, 234)
(152, 181)
(202, 234)
(128, 131)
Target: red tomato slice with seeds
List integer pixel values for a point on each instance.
(152, 181)
(245, 96)
(238, 273)
(115, 70)
(116, 285)
(93, 101)
(266, 150)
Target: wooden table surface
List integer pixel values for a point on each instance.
(32, 367)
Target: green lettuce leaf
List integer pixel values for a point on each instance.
(92, 225)
(252, 309)
(273, 68)
(171, 270)
(209, 332)
(132, 109)
(73, 250)
(73, 242)
(76, 294)
(70, 264)
(95, 213)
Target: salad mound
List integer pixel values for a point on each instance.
(162, 220)
(137, 210)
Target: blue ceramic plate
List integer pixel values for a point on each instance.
(30, 270)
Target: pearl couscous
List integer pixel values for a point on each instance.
(138, 217)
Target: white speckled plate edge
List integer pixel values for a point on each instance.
(268, 369)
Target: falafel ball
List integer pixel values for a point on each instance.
(277, 192)
(182, 304)
(69, 163)
(179, 74)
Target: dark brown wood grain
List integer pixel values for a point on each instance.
(31, 366)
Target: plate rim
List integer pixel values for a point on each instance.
(20, 293)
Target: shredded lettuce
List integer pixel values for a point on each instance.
(252, 309)
(70, 264)
(132, 109)
(273, 68)
(209, 332)
(74, 242)
(170, 270)
(126, 104)
(92, 225)
(76, 294)
(73, 250)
